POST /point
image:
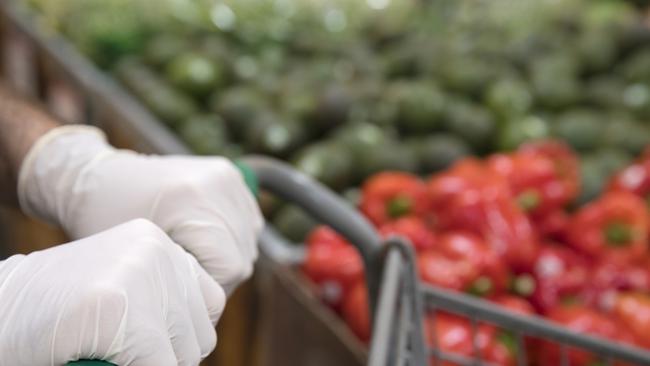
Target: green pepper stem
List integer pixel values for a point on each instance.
(399, 206)
(618, 234)
(523, 285)
(529, 200)
(480, 287)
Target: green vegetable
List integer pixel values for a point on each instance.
(196, 74)
(270, 135)
(581, 128)
(205, 134)
(294, 223)
(169, 104)
(327, 162)
(517, 131)
(437, 152)
(471, 122)
(419, 106)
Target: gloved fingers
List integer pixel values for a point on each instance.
(214, 296)
(183, 335)
(216, 250)
(88, 328)
(160, 353)
(198, 306)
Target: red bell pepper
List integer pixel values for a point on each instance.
(333, 264)
(471, 197)
(356, 311)
(559, 274)
(635, 178)
(534, 180)
(439, 270)
(615, 227)
(566, 186)
(390, 195)
(412, 228)
(607, 279)
(466, 246)
(453, 334)
(632, 310)
(581, 319)
(551, 225)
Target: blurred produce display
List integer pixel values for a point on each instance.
(498, 228)
(344, 89)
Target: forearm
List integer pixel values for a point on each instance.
(21, 124)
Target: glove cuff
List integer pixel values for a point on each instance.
(47, 177)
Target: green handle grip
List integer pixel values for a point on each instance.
(251, 181)
(249, 177)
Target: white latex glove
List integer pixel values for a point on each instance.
(126, 295)
(73, 178)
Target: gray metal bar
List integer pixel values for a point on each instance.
(384, 319)
(324, 205)
(522, 358)
(403, 333)
(458, 359)
(277, 247)
(534, 326)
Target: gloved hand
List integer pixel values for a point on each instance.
(126, 295)
(73, 178)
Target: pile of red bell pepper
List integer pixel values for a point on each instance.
(505, 228)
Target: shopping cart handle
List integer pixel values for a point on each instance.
(249, 176)
(283, 181)
(89, 363)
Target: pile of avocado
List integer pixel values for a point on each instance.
(346, 91)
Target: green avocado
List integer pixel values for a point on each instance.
(373, 149)
(597, 48)
(332, 109)
(205, 134)
(636, 97)
(270, 135)
(294, 223)
(636, 67)
(583, 129)
(592, 178)
(391, 156)
(239, 106)
(328, 162)
(509, 98)
(605, 91)
(623, 133)
(419, 106)
(170, 105)
(163, 48)
(467, 74)
(595, 170)
(555, 80)
(472, 123)
(196, 74)
(438, 152)
(519, 130)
